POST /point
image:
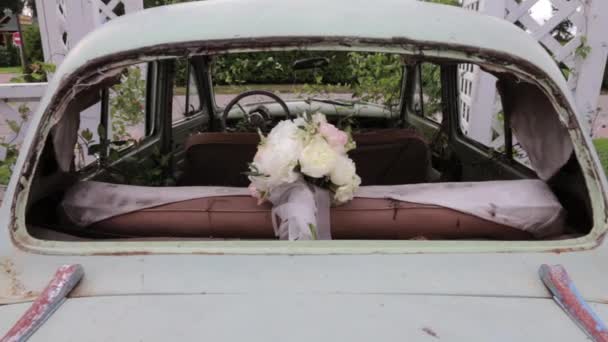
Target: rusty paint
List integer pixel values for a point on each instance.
(50, 299)
(567, 296)
(16, 288)
(129, 253)
(430, 332)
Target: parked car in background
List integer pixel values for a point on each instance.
(140, 181)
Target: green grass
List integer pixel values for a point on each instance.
(10, 70)
(601, 145)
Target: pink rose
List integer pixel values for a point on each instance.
(335, 137)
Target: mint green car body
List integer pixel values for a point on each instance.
(304, 291)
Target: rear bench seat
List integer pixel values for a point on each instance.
(134, 211)
(384, 157)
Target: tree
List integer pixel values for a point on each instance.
(14, 5)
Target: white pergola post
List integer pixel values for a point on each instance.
(478, 88)
(587, 80)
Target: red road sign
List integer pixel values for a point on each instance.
(16, 39)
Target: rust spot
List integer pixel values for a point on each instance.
(566, 250)
(16, 288)
(492, 210)
(129, 253)
(395, 205)
(430, 332)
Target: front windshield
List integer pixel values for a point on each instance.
(335, 77)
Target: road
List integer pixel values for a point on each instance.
(5, 78)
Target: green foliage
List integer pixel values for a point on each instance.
(583, 50)
(6, 165)
(601, 146)
(276, 68)
(181, 69)
(373, 77)
(127, 103)
(36, 72)
(32, 42)
(12, 149)
(150, 171)
(445, 2)
(9, 56)
(378, 77)
(14, 5)
(431, 88)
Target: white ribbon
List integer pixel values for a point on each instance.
(302, 212)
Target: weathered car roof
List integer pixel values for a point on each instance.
(396, 20)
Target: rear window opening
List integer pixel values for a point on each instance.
(156, 154)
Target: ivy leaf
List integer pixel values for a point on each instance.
(94, 149)
(14, 126)
(87, 135)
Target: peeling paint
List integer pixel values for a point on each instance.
(569, 299)
(16, 288)
(63, 282)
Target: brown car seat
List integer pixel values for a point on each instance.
(239, 217)
(384, 157)
(218, 158)
(391, 157)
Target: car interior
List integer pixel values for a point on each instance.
(160, 151)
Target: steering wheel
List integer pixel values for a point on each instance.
(258, 111)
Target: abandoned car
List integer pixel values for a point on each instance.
(135, 163)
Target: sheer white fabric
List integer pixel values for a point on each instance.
(528, 205)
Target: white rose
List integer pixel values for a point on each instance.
(278, 155)
(343, 171)
(346, 192)
(317, 158)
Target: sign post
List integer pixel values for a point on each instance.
(16, 39)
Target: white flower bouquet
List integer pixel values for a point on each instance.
(308, 150)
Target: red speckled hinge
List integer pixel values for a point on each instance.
(567, 296)
(64, 280)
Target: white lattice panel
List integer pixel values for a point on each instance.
(65, 22)
(62, 24)
(581, 49)
(571, 12)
